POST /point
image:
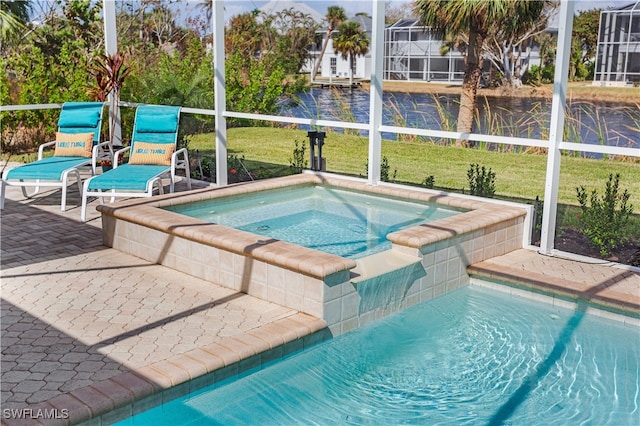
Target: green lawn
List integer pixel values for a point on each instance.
(518, 175)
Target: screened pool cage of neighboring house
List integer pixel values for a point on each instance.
(618, 55)
(413, 52)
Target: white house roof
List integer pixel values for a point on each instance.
(276, 6)
(632, 6)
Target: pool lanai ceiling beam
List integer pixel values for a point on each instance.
(219, 94)
(556, 127)
(111, 48)
(375, 92)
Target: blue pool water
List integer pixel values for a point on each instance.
(336, 221)
(472, 356)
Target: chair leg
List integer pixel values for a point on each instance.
(78, 180)
(26, 194)
(83, 208)
(2, 193)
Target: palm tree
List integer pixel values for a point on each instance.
(14, 16)
(351, 41)
(335, 16)
(476, 18)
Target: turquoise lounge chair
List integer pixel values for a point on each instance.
(76, 118)
(151, 156)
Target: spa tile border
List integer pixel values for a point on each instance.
(313, 263)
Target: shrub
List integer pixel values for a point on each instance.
(482, 182)
(298, 162)
(429, 182)
(605, 219)
(385, 168)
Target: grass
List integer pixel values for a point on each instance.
(518, 175)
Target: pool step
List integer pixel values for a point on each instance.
(381, 264)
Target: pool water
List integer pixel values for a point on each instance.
(337, 221)
(472, 356)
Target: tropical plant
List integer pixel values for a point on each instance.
(49, 65)
(110, 72)
(335, 16)
(351, 41)
(476, 18)
(605, 219)
(14, 16)
(584, 42)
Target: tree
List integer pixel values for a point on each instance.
(291, 33)
(335, 16)
(351, 41)
(263, 57)
(584, 42)
(509, 47)
(476, 18)
(14, 16)
(395, 11)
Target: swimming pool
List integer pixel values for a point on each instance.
(470, 356)
(337, 221)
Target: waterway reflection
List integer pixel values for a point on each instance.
(601, 123)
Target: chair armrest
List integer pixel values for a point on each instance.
(42, 147)
(174, 156)
(96, 148)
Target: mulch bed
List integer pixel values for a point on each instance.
(573, 241)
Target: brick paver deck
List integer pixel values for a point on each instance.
(608, 286)
(88, 329)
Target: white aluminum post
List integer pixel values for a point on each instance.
(219, 92)
(111, 48)
(556, 127)
(375, 96)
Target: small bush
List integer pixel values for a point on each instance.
(299, 162)
(605, 219)
(482, 182)
(385, 168)
(429, 182)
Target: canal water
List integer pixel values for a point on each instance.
(601, 123)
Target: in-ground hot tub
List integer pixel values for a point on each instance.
(331, 219)
(322, 284)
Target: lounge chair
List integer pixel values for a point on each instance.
(77, 145)
(152, 156)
